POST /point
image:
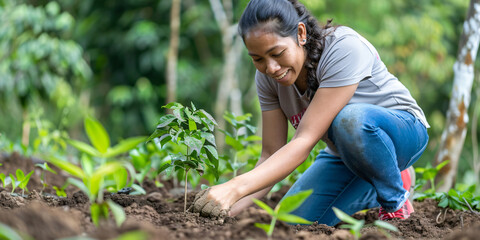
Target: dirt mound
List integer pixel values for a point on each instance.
(159, 215)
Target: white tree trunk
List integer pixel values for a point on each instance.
(228, 90)
(171, 72)
(455, 131)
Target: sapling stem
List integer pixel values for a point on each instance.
(185, 201)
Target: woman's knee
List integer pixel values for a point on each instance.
(350, 122)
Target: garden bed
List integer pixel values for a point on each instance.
(159, 215)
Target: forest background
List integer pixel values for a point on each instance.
(61, 61)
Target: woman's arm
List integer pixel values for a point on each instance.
(325, 105)
(274, 136)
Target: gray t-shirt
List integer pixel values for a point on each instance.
(347, 58)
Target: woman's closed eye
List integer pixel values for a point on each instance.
(279, 54)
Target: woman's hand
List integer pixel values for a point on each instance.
(216, 201)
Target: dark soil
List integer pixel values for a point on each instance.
(159, 214)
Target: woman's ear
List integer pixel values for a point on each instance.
(302, 34)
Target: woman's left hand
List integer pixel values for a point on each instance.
(215, 201)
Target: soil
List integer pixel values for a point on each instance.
(159, 215)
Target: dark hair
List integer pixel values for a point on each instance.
(282, 17)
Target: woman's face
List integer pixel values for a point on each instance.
(278, 57)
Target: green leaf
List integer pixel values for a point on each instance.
(25, 180)
(87, 164)
(193, 144)
(2, 178)
(97, 134)
(264, 206)
(265, 227)
(165, 139)
(212, 150)
(165, 121)
(120, 177)
(96, 181)
(443, 202)
(124, 146)
(84, 147)
(209, 137)
(192, 126)
(117, 212)
(235, 144)
(385, 225)
(45, 167)
(157, 133)
(442, 164)
(173, 105)
(343, 216)
(66, 166)
(178, 113)
(290, 218)
(20, 175)
(292, 202)
(14, 183)
(95, 213)
(133, 235)
(138, 190)
(8, 234)
(253, 138)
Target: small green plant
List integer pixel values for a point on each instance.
(192, 128)
(239, 138)
(60, 191)
(428, 176)
(356, 225)
(101, 151)
(93, 182)
(23, 180)
(3, 179)
(100, 140)
(282, 211)
(43, 177)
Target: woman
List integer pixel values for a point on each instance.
(331, 84)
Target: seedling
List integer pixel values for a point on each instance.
(428, 175)
(356, 225)
(100, 140)
(43, 177)
(60, 191)
(282, 211)
(3, 179)
(93, 182)
(23, 180)
(192, 128)
(239, 138)
(101, 151)
(13, 182)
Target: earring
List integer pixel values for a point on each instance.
(304, 40)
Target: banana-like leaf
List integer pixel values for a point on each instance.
(97, 134)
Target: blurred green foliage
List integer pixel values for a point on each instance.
(63, 60)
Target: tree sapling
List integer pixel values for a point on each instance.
(282, 211)
(192, 128)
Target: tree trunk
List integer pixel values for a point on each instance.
(173, 51)
(228, 90)
(455, 131)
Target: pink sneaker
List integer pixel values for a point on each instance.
(408, 176)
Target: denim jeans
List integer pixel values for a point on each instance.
(375, 144)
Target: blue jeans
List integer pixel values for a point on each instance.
(374, 145)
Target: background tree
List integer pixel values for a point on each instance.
(454, 133)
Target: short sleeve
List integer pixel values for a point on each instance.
(267, 92)
(348, 61)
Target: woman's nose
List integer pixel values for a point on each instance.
(272, 67)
